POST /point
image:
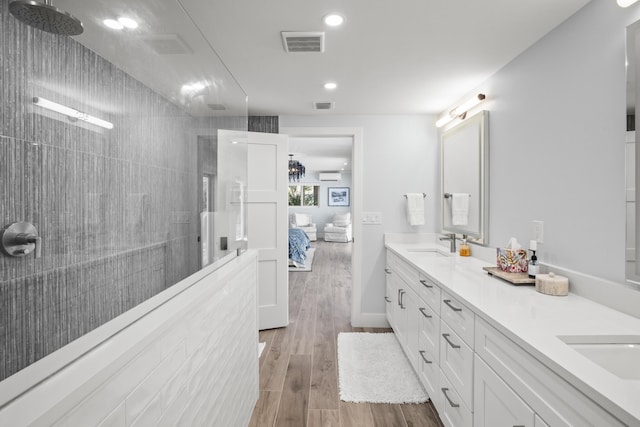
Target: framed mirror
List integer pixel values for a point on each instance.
(632, 264)
(464, 152)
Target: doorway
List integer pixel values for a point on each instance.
(356, 199)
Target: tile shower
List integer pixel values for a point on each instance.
(117, 210)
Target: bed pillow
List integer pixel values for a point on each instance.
(342, 220)
(302, 220)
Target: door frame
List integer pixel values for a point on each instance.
(355, 133)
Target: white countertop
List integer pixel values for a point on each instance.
(534, 320)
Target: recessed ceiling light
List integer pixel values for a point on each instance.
(128, 22)
(113, 24)
(194, 87)
(330, 85)
(333, 19)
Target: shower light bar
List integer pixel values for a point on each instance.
(460, 111)
(71, 113)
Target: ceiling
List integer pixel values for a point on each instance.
(389, 57)
(400, 57)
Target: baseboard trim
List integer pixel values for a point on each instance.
(370, 320)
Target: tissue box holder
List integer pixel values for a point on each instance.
(512, 261)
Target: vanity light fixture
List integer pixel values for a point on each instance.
(71, 113)
(626, 3)
(330, 85)
(460, 112)
(333, 20)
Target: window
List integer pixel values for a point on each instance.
(304, 195)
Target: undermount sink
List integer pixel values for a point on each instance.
(427, 252)
(618, 354)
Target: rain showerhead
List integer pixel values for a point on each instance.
(46, 17)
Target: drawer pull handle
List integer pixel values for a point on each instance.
(446, 337)
(453, 405)
(452, 307)
(399, 297)
(387, 299)
(424, 358)
(402, 292)
(426, 285)
(386, 270)
(424, 313)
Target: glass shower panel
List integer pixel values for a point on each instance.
(106, 139)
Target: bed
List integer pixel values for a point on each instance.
(299, 243)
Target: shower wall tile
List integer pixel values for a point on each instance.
(116, 209)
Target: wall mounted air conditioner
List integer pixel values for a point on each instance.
(329, 176)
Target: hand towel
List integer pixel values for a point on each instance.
(459, 208)
(415, 208)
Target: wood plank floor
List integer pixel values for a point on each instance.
(299, 365)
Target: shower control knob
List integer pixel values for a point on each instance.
(20, 239)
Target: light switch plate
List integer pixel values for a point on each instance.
(372, 218)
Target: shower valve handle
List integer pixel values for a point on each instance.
(28, 239)
(20, 239)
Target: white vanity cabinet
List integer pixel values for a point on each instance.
(474, 374)
(456, 361)
(554, 401)
(403, 305)
(496, 404)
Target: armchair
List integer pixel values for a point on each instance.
(305, 223)
(340, 230)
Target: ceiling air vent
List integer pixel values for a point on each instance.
(323, 105)
(303, 41)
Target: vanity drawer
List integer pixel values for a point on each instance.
(403, 269)
(430, 293)
(430, 328)
(458, 317)
(428, 371)
(452, 411)
(456, 362)
(555, 401)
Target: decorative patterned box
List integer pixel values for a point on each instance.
(512, 261)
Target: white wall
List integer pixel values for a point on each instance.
(557, 128)
(557, 147)
(400, 156)
(323, 213)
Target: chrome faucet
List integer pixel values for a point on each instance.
(452, 238)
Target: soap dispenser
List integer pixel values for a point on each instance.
(533, 264)
(465, 249)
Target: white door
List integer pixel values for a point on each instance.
(267, 224)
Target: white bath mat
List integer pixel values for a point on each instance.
(373, 368)
(308, 262)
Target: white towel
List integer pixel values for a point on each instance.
(415, 208)
(459, 208)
